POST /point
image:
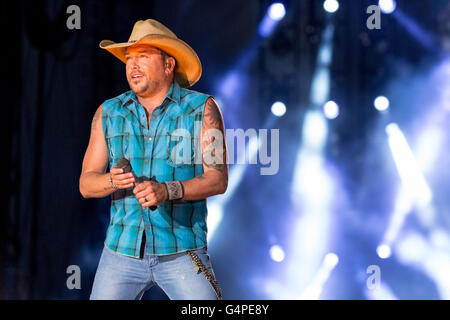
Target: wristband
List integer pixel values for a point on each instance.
(175, 190)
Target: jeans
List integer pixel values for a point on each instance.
(120, 277)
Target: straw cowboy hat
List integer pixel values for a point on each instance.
(154, 33)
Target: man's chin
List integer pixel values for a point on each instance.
(138, 89)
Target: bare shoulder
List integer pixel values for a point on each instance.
(212, 115)
(97, 119)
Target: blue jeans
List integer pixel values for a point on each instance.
(120, 277)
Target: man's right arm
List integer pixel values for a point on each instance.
(94, 182)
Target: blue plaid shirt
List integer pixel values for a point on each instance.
(174, 226)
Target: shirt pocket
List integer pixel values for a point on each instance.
(118, 145)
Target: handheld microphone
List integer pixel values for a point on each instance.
(125, 165)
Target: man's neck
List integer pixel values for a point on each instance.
(150, 102)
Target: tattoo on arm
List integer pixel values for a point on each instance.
(212, 115)
(216, 166)
(95, 120)
(213, 120)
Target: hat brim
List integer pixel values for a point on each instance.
(189, 67)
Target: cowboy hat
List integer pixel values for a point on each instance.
(154, 33)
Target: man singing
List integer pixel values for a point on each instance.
(174, 140)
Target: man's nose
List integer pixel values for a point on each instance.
(132, 67)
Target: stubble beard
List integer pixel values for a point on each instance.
(148, 88)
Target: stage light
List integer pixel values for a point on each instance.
(274, 14)
(384, 251)
(414, 191)
(331, 260)
(331, 109)
(424, 37)
(315, 130)
(314, 289)
(320, 86)
(278, 109)
(231, 84)
(277, 253)
(412, 248)
(312, 189)
(387, 6)
(381, 103)
(421, 252)
(413, 181)
(428, 147)
(277, 11)
(331, 6)
(215, 214)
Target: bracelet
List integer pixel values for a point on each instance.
(175, 190)
(167, 191)
(111, 181)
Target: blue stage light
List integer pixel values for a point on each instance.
(384, 251)
(381, 103)
(277, 253)
(331, 110)
(278, 109)
(274, 14)
(387, 6)
(277, 11)
(331, 6)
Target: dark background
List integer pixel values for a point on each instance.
(55, 78)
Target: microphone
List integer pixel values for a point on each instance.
(125, 165)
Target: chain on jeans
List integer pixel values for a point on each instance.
(210, 277)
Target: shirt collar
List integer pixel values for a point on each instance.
(173, 94)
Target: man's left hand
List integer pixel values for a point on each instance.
(150, 193)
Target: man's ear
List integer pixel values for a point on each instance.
(170, 64)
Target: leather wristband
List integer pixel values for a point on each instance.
(175, 190)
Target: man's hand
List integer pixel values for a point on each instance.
(122, 180)
(150, 193)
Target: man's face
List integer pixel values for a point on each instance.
(145, 69)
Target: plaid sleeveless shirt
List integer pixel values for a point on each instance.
(155, 151)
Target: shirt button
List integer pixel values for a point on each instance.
(150, 138)
(146, 160)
